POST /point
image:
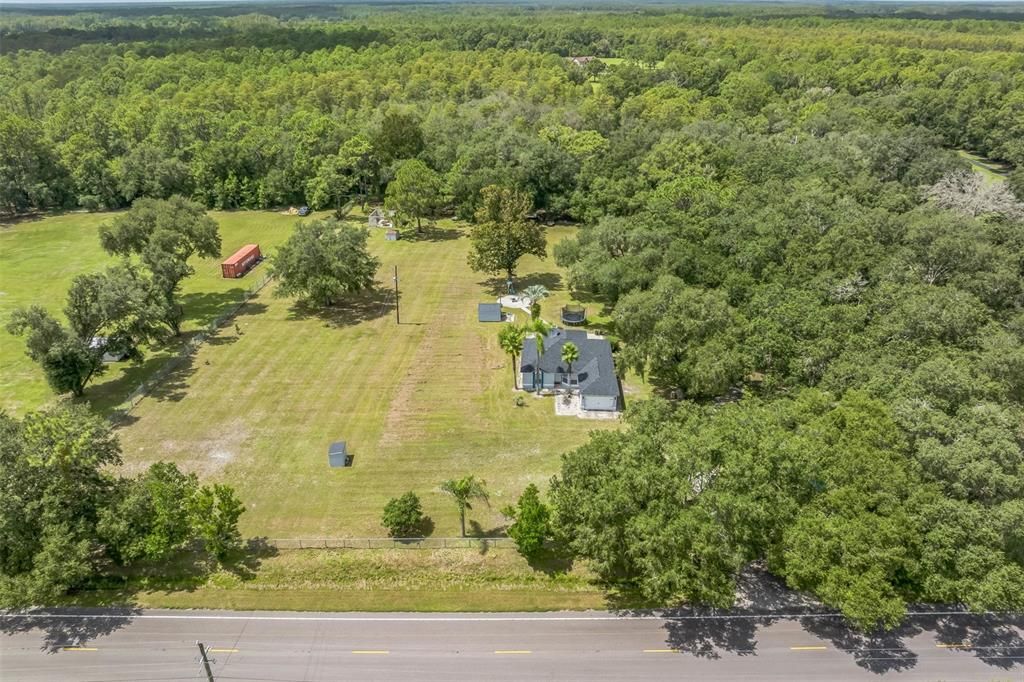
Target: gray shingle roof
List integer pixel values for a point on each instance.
(595, 369)
(489, 312)
(337, 454)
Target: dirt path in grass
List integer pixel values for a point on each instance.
(447, 366)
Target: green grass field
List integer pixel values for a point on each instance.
(256, 407)
(372, 580)
(418, 402)
(38, 260)
(991, 171)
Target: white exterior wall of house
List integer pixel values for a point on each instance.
(600, 402)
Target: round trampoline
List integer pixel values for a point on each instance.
(574, 314)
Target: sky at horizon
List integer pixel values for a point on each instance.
(57, 3)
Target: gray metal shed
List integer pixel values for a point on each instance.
(489, 312)
(337, 455)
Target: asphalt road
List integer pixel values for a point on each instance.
(275, 646)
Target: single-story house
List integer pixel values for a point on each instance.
(488, 312)
(581, 60)
(592, 376)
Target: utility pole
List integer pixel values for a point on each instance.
(398, 315)
(206, 661)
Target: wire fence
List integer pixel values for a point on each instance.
(388, 543)
(190, 347)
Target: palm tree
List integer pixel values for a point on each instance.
(510, 338)
(570, 354)
(540, 330)
(535, 292)
(463, 490)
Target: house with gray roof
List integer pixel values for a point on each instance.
(592, 376)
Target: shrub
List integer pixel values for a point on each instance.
(531, 525)
(403, 516)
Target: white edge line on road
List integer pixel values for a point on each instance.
(456, 619)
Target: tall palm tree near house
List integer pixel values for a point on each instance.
(510, 338)
(570, 354)
(540, 330)
(463, 491)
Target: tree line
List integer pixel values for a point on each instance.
(488, 99)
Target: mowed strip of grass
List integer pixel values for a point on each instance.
(991, 171)
(372, 580)
(417, 402)
(39, 258)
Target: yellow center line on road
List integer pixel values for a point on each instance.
(513, 651)
(78, 648)
(371, 652)
(661, 651)
(223, 651)
(807, 648)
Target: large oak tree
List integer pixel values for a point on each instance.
(503, 234)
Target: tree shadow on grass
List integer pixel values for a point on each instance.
(173, 384)
(355, 308)
(485, 536)
(626, 599)
(67, 627)
(166, 373)
(497, 286)
(592, 300)
(106, 396)
(551, 560)
(246, 561)
(423, 529)
(205, 307)
(432, 234)
(477, 531)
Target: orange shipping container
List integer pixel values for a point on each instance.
(241, 261)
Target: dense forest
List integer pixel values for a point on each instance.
(256, 111)
(772, 208)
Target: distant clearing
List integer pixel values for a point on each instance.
(992, 171)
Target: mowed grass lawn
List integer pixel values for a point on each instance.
(991, 171)
(38, 260)
(497, 579)
(417, 402)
